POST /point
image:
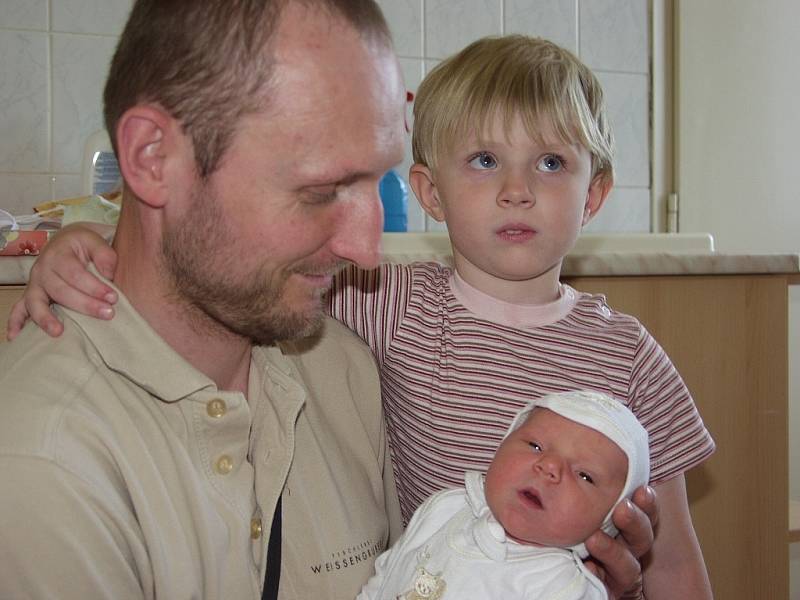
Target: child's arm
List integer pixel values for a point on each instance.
(371, 303)
(60, 275)
(674, 568)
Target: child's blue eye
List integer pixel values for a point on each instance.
(536, 447)
(483, 160)
(551, 163)
(585, 476)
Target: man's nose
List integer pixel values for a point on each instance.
(357, 235)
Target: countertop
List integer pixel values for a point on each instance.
(593, 256)
(597, 255)
(609, 264)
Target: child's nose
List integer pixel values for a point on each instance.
(516, 192)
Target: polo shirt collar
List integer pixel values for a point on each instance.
(130, 346)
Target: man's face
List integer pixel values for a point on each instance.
(296, 195)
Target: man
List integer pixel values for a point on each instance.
(145, 454)
(145, 457)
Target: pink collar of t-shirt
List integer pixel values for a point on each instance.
(497, 311)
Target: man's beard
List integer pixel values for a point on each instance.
(201, 257)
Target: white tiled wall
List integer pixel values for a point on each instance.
(611, 36)
(55, 54)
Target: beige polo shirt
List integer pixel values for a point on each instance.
(126, 473)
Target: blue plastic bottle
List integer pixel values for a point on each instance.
(394, 196)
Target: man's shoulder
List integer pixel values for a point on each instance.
(35, 361)
(42, 380)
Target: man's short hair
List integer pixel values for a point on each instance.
(208, 62)
(545, 84)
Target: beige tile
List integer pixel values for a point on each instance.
(627, 210)
(104, 17)
(66, 186)
(627, 98)
(614, 34)
(24, 14)
(555, 20)
(449, 26)
(21, 192)
(23, 101)
(80, 65)
(405, 21)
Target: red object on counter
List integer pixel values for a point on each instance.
(22, 243)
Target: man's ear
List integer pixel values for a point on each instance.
(146, 141)
(421, 179)
(599, 189)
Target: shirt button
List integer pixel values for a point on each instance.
(224, 464)
(255, 529)
(216, 408)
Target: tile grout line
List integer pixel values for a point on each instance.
(50, 101)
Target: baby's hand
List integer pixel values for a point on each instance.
(60, 275)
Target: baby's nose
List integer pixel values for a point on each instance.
(550, 467)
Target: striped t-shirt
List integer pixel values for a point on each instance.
(456, 366)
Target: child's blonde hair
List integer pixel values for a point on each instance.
(515, 74)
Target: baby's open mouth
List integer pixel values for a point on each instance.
(531, 497)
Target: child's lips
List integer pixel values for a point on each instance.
(532, 498)
(515, 232)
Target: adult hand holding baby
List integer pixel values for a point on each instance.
(615, 561)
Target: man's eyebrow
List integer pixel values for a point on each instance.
(343, 180)
(353, 177)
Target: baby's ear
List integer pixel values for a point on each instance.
(599, 189)
(421, 179)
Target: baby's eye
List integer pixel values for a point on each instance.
(536, 447)
(586, 477)
(551, 163)
(483, 160)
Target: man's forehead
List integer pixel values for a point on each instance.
(315, 47)
(311, 30)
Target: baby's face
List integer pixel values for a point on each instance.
(552, 481)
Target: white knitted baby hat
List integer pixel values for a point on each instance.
(615, 421)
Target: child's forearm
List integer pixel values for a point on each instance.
(102, 229)
(674, 568)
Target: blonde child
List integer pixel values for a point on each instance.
(566, 461)
(513, 151)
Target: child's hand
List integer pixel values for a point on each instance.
(60, 275)
(616, 561)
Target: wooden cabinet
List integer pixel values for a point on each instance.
(727, 335)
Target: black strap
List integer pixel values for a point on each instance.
(273, 576)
